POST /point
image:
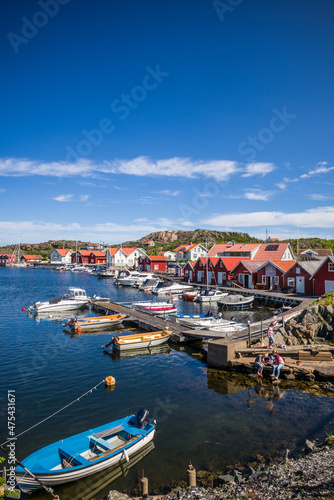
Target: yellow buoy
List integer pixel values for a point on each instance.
(109, 381)
(50, 316)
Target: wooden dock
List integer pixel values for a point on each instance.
(151, 322)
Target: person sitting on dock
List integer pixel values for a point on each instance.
(269, 360)
(271, 334)
(259, 362)
(279, 363)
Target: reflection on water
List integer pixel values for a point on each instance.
(130, 353)
(98, 483)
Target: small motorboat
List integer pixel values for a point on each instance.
(210, 296)
(95, 323)
(209, 323)
(190, 319)
(149, 284)
(98, 298)
(190, 295)
(87, 453)
(141, 340)
(75, 299)
(107, 274)
(167, 287)
(155, 307)
(236, 301)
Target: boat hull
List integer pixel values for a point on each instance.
(142, 340)
(71, 305)
(85, 454)
(29, 485)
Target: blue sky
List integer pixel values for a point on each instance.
(123, 118)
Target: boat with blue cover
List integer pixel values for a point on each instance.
(190, 319)
(87, 453)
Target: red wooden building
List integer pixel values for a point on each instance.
(30, 259)
(244, 273)
(8, 258)
(179, 270)
(153, 263)
(269, 276)
(96, 257)
(81, 257)
(188, 270)
(323, 277)
(224, 268)
(297, 279)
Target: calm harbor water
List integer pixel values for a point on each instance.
(212, 421)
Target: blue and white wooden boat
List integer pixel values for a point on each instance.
(87, 453)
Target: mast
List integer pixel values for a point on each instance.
(207, 265)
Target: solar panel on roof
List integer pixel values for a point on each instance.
(271, 247)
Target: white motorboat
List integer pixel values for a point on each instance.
(79, 269)
(210, 296)
(190, 319)
(75, 299)
(149, 284)
(107, 273)
(236, 301)
(237, 327)
(141, 340)
(167, 287)
(142, 277)
(213, 322)
(155, 307)
(127, 278)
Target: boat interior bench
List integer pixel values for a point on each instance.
(73, 456)
(100, 442)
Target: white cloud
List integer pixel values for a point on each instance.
(319, 197)
(38, 231)
(281, 185)
(220, 170)
(63, 197)
(169, 192)
(315, 217)
(84, 197)
(257, 194)
(258, 169)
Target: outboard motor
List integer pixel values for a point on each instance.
(142, 417)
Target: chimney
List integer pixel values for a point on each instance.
(233, 243)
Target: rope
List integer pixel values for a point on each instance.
(55, 413)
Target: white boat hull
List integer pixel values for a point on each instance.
(61, 306)
(68, 475)
(142, 345)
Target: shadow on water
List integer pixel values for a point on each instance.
(98, 483)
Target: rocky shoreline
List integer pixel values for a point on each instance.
(309, 476)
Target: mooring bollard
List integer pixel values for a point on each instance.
(191, 475)
(249, 334)
(144, 484)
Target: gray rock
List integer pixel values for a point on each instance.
(237, 476)
(226, 478)
(309, 447)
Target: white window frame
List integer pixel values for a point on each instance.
(297, 270)
(156, 267)
(264, 279)
(291, 282)
(224, 276)
(276, 280)
(331, 267)
(240, 278)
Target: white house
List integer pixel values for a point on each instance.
(169, 255)
(61, 256)
(124, 257)
(190, 252)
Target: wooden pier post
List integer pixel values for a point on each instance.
(261, 331)
(249, 333)
(191, 475)
(144, 484)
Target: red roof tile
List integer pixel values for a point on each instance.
(274, 255)
(231, 262)
(156, 258)
(63, 251)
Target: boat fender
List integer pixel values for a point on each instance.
(23, 308)
(126, 456)
(79, 330)
(109, 381)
